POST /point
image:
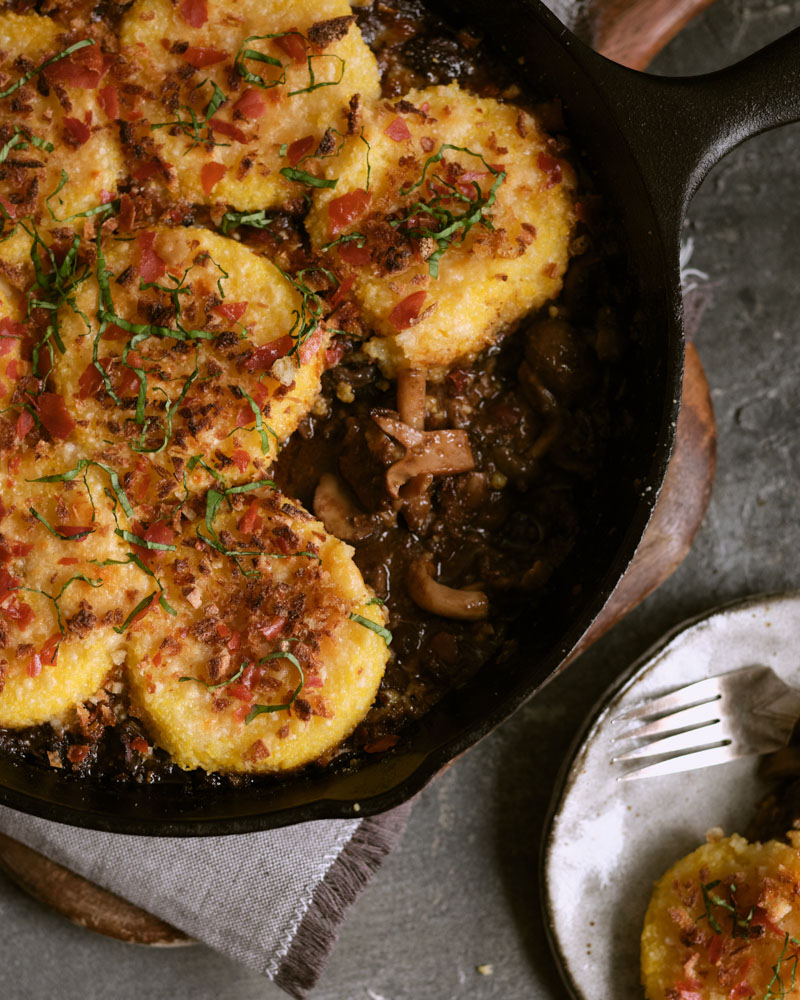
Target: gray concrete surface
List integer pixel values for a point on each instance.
(461, 890)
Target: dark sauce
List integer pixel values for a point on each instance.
(540, 450)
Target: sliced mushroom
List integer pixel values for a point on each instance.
(542, 398)
(337, 511)
(411, 385)
(438, 453)
(411, 397)
(465, 605)
(539, 396)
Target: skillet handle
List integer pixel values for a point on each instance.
(679, 127)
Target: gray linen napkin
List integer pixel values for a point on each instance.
(284, 924)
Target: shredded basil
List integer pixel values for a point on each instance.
(308, 317)
(264, 430)
(145, 602)
(21, 140)
(256, 220)
(196, 460)
(218, 98)
(359, 237)
(57, 597)
(222, 684)
(384, 633)
(192, 127)
(214, 500)
(312, 81)
(48, 62)
(85, 463)
(254, 55)
(141, 332)
(309, 180)
(257, 710)
(51, 290)
(129, 536)
(369, 150)
(57, 534)
(247, 487)
(109, 206)
(452, 227)
(777, 977)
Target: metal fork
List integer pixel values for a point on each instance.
(747, 711)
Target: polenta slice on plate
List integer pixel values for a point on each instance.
(59, 144)
(724, 924)
(228, 93)
(451, 217)
(277, 648)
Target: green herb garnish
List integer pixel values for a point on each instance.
(143, 543)
(55, 598)
(21, 140)
(48, 62)
(222, 684)
(292, 174)
(109, 206)
(57, 534)
(448, 228)
(264, 430)
(257, 710)
(253, 55)
(107, 315)
(85, 463)
(192, 127)
(777, 977)
(55, 285)
(307, 318)
(256, 220)
(360, 238)
(740, 924)
(384, 633)
(146, 601)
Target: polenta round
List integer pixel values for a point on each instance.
(61, 151)
(452, 216)
(725, 922)
(218, 328)
(283, 72)
(268, 674)
(29, 698)
(63, 570)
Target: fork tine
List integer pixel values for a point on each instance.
(691, 694)
(685, 762)
(697, 716)
(703, 736)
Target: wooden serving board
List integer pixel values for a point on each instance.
(631, 32)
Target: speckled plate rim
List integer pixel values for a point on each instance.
(569, 771)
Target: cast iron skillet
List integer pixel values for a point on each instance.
(649, 141)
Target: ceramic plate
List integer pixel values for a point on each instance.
(609, 840)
